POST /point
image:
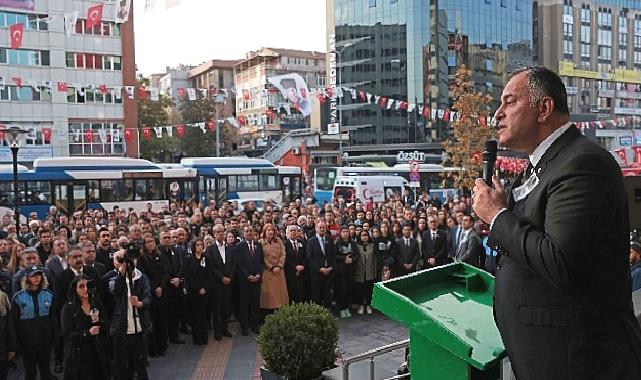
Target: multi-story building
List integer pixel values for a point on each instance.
(261, 111)
(67, 91)
(173, 79)
(409, 50)
(596, 46)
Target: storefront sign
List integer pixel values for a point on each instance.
(409, 156)
(26, 154)
(333, 100)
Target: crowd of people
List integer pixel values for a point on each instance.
(103, 290)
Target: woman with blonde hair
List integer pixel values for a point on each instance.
(273, 292)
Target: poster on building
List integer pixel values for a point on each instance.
(293, 88)
(122, 11)
(332, 129)
(22, 4)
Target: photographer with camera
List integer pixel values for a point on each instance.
(174, 289)
(156, 267)
(84, 329)
(130, 320)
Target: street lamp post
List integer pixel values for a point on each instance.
(15, 134)
(221, 99)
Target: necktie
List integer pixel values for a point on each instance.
(295, 246)
(407, 242)
(433, 235)
(322, 244)
(251, 248)
(458, 235)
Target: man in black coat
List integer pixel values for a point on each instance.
(104, 251)
(407, 254)
(562, 298)
(224, 268)
(470, 247)
(321, 258)
(174, 289)
(249, 255)
(295, 265)
(434, 245)
(156, 267)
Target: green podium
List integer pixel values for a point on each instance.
(448, 311)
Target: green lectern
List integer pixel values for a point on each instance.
(448, 311)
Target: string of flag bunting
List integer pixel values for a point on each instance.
(170, 130)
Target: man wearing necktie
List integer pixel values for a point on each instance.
(434, 245)
(321, 257)
(249, 256)
(562, 299)
(295, 273)
(407, 255)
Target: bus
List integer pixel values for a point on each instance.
(431, 178)
(78, 183)
(239, 179)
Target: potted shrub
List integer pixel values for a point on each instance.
(298, 342)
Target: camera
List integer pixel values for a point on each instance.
(132, 253)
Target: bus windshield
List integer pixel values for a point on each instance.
(325, 178)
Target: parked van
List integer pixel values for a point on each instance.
(365, 187)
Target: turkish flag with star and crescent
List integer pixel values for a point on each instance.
(15, 35)
(94, 15)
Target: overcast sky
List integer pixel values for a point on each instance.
(199, 30)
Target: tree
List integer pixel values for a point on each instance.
(194, 142)
(470, 130)
(154, 114)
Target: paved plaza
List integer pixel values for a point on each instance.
(238, 358)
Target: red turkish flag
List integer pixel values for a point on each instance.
(241, 120)
(103, 88)
(212, 126)
(181, 92)
(383, 101)
(146, 133)
(180, 130)
(621, 154)
(404, 105)
(270, 113)
(94, 15)
(426, 112)
(446, 116)
(330, 92)
(142, 92)
(128, 134)
(62, 86)
(17, 81)
(246, 95)
(362, 95)
(46, 133)
(15, 35)
(89, 136)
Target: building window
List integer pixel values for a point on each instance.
(623, 57)
(24, 94)
(605, 53)
(637, 42)
(93, 61)
(567, 31)
(604, 37)
(104, 139)
(585, 34)
(30, 21)
(23, 57)
(637, 59)
(372, 3)
(568, 49)
(585, 14)
(104, 29)
(585, 51)
(604, 18)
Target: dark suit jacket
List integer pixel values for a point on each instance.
(406, 255)
(437, 248)
(248, 264)
(293, 258)
(220, 269)
(451, 241)
(61, 290)
(562, 294)
(317, 259)
(100, 269)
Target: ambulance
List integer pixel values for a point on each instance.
(379, 188)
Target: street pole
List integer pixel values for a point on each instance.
(16, 191)
(217, 130)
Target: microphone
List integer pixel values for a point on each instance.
(489, 159)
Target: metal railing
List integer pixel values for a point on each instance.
(371, 354)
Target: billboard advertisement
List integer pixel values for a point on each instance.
(22, 4)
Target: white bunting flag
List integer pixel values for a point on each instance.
(170, 130)
(118, 92)
(79, 90)
(398, 104)
(49, 86)
(390, 103)
(353, 92)
(376, 99)
(191, 93)
(115, 135)
(70, 22)
(154, 94)
(434, 112)
(232, 121)
(440, 114)
(202, 127)
(339, 91)
(1, 83)
(76, 134)
(158, 131)
(102, 133)
(203, 93)
(130, 91)
(411, 107)
(31, 83)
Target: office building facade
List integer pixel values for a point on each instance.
(68, 92)
(409, 50)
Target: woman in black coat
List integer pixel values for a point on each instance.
(385, 247)
(84, 329)
(199, 283)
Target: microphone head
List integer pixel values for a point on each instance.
(489, 150)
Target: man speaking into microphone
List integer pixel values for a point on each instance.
(562, 299)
